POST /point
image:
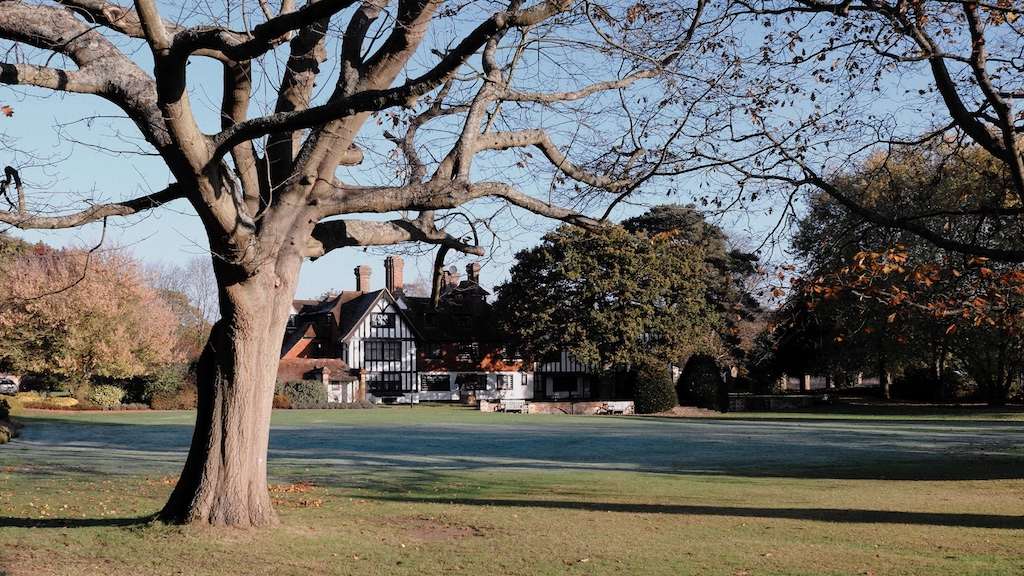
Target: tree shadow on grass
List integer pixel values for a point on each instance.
(15, 522)
(838, 515)
(855, 449)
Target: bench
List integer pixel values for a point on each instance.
(611, 408)
(512, 406)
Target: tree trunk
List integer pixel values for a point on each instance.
(224, 481)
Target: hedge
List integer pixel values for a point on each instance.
(653, 388)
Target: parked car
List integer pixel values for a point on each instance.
(9, 384)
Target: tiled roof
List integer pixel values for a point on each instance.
(290, 369)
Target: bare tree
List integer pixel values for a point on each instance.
(428, 108)
(837, 83)
(194, 279)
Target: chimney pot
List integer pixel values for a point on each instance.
(453, 276)
(393, 279)
(473, 272)
(362, 278)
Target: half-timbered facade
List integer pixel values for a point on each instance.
(378, 341)
(359, 336)
(382, 345)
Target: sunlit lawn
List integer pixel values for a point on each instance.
(435, 490)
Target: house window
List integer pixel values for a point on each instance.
(471, 382)
(434, 352)
(382, 320)
(386, 384)
(564, 383)
(435, 383)
(383, 350)
(468, 352)
(504, 381)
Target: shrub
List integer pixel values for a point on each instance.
(165, 380)
(281, 402)
(5, 410)
(183, 399)
(653, 387)
(303, 393)
(53, 403)
(701, 383)
(25, 397)
(920, 384)
(106, 395)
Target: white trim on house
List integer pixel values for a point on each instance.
(384, 345)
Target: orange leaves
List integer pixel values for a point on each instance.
(6, 110)
(637, 11)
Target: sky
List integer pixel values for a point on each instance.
(53, 144)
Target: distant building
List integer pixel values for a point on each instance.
(382, 345)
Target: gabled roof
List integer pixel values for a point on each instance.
(461, 316)
(297, 369)
(355, 311)
(349, 309)
(292, 337)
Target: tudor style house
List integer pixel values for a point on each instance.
(385, 346)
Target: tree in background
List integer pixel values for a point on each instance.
(79, 314)
(839, 83)
(728, 278)
(190, 290)
(878, 296)
(610, 298)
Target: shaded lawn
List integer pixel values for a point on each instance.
(450, 491)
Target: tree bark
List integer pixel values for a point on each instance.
(885, 381)
(224, 481)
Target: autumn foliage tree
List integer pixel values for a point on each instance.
(78, 315)
(874, 295)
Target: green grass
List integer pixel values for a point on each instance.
(434, 490)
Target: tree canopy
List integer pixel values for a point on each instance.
(875, 296)
(78, 315)
(614, 297)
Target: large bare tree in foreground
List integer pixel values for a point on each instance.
(342, 107)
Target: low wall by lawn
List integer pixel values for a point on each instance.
(770, 402)
(595, 407)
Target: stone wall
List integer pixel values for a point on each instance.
(596, 407)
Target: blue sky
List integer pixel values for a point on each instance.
(59, 168)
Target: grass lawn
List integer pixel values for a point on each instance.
(446, 490)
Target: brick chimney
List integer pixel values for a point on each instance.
(393, 280)
(473, 272)
(362, 278)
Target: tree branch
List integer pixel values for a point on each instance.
(334, 234)
(375, 100)
(25, 221)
